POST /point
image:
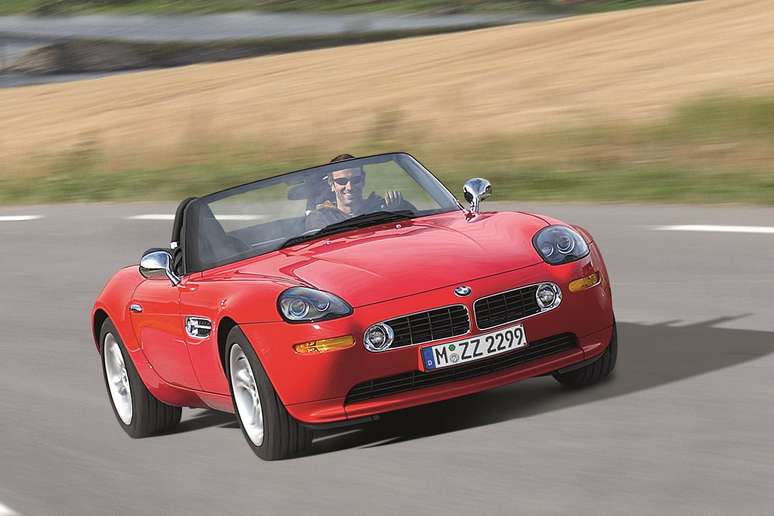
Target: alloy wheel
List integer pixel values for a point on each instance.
(117, 378)
(246, 396)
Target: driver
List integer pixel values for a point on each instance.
(347, 184)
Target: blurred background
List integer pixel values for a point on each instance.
(651, 123)
(550, 99)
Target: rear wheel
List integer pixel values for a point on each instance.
(269, 429)
(594, 372)
(138, 412)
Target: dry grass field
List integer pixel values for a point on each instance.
(450, 93)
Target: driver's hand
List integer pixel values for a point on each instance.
(393, 199)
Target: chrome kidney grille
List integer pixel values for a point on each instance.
(441, 323)
(506, 307)
(454, 320)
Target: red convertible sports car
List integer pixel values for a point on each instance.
(333, 294)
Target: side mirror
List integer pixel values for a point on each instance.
(475, 191)
(157, 263)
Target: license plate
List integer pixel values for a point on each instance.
(475, 348)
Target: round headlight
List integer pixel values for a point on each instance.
(378, 337)
(322, 305)
(298, 308)
(565, 244)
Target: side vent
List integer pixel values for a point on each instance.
(198, 327)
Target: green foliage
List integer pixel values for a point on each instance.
(721, 115)
(90, 183)
(591, 6)
(584, 182)
(713, 150)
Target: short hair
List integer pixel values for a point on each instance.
(342, 157)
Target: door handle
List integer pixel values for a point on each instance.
(135, 308)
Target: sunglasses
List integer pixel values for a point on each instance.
(342, 181)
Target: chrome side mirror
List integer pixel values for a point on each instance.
(157, 263)
(475, 191)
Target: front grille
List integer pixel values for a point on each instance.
(506, 307)
(418, 379)
(440, 323)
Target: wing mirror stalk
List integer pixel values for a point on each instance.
(157, 263)
(475, 191)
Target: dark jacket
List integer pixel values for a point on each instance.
(327, 212)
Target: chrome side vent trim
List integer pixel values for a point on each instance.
(198, 327)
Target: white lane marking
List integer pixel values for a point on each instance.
(719, 229)
(7, 511)
(166, 216)
(240, 217)
(152, 216)
(19, 218)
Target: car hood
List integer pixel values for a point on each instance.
(393, 260)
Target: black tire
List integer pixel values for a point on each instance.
(594, 372)
(283, 436)
(149, 415)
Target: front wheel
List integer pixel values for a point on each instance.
(138, 412)
(594, 372)
(269, 429)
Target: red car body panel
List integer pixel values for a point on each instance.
(415, 256)
(383, 272)
(161, 330)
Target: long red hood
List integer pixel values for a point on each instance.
(412, 256)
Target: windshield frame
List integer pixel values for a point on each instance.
(269, 181)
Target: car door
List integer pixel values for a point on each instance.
(199, 305)
(160, 329)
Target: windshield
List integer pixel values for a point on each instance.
(267, 215)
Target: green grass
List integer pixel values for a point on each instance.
(617, 5)
(713, 150)
(212, 6)
(584, 182)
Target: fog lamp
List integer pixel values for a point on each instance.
(592, 280)
(378, 337)
(324, 345)
(548, 296)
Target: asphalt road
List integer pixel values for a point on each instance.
(22, 34)
(214, 27)
(685, 426)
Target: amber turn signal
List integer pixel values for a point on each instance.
(592, 280)
(322, 346)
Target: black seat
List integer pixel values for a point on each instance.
(315, 191)
(204, 241)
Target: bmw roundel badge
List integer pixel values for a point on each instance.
(463, 290)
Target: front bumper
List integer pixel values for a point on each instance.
(314, 387)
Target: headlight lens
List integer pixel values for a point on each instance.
(560, 244)
(301, 304)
